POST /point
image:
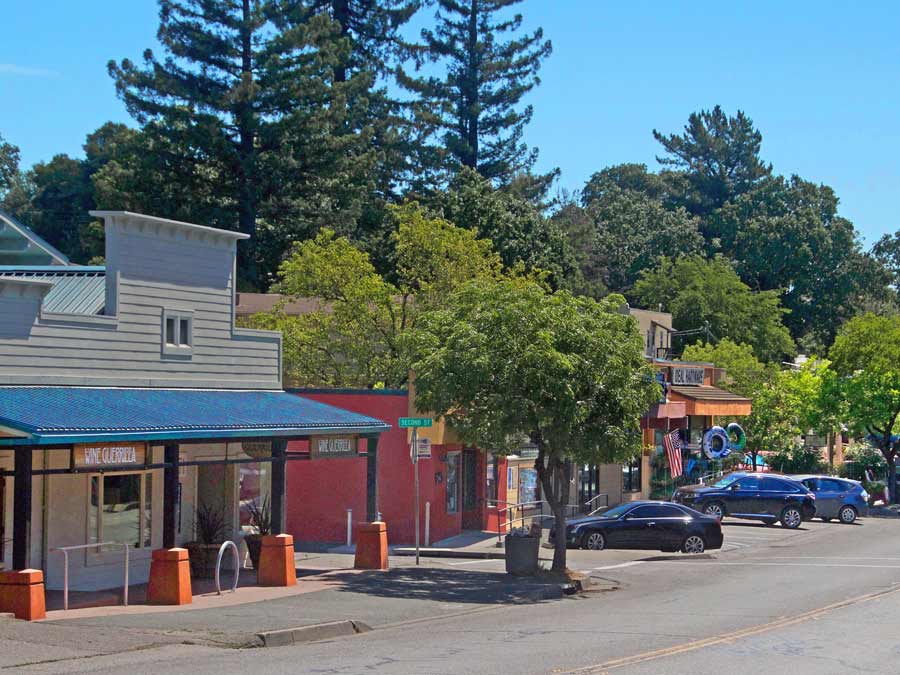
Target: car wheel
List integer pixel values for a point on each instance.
(693, 543)
(594, 541)
(847, 515)
(791, 517)
(714, 509)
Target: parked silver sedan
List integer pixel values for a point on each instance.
(839, 498)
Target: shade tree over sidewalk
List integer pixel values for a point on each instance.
(507, 359)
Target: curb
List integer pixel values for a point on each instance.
(320, 631)
(449, 553)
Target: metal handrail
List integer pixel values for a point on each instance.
(237, 565)
(588, 504)
(714, 474)
(65, 551)
(522, 505)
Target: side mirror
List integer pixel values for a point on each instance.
(734, 486)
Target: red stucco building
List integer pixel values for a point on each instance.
(462, 486)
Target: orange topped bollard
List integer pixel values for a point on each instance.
(371, 546)
(22, 593)
(170, 577)
(276, 561)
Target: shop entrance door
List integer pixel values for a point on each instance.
(471, 517)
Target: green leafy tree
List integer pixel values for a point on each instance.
(696, 291)
(632, 231)
(473, 105)
(507, 359)
(350, 334)
(744, 373)
(786, 235)
(246, 101)
(9, 165)
(719, 155)
(866, 354)
(519, 230)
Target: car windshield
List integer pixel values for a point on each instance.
(615, 511)
(724, 481)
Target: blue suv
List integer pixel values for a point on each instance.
(839, 498)
(753, 496)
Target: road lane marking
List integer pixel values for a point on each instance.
(624, 564)
(726, 638)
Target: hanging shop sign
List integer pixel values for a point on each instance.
(719, 442)
(110, 454)
(328, 447)
(689, 376)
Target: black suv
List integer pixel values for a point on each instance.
(751, 495)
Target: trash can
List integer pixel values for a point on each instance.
(522, 555)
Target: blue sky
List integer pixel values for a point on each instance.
(821, 80)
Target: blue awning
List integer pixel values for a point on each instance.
(47, 415)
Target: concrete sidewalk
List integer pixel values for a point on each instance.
(474, 544)
(403, 594)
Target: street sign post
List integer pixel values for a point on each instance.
(415, 423)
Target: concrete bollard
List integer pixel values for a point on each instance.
(170, 578)
(371, 546)
(276, 561)
(22, 593)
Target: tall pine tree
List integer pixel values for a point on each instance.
(246, 99)
(473, 106)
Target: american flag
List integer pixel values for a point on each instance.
(673, 445)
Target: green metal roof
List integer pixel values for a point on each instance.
(76, 289)
(63, 415)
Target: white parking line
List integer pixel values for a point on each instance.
(624, 564)
(477, 562)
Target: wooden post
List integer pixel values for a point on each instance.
(371, 478)
(279, 485)
(22, 508)
(170, 495)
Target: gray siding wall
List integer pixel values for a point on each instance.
(150, 267)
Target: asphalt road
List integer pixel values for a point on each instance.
(822, 600)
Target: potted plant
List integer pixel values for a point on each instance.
(261, 522)
(210, 535)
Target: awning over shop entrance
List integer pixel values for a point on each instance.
(65, 419)
(707, 400)
(59, 415)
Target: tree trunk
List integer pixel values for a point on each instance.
(555, 476)
(892, 477)
(244, 115)
(340, 11)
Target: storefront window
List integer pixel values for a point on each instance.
(121, 509)
(255, 492)
(491, 477)
(528, 486)
(631, 476)
(452, 482)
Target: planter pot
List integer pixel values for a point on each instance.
(522, 555)
(254, 547)
(203, 559)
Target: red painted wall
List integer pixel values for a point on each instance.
(319, 492)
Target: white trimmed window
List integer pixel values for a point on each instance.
(177, 332)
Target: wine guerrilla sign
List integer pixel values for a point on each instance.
(110, 454)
